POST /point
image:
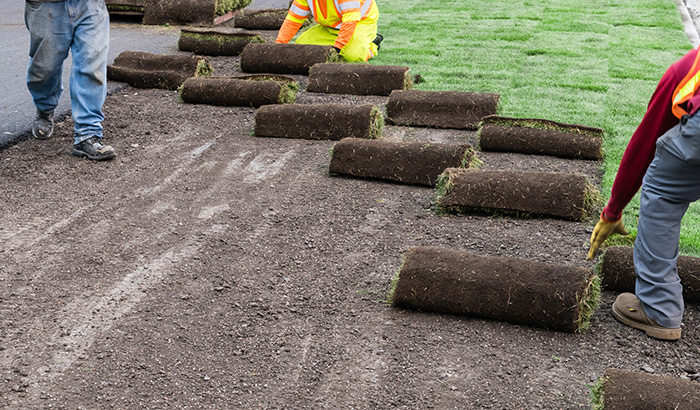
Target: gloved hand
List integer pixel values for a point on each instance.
(603, 229)
(336, 49)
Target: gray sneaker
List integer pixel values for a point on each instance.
(42, 127)
(94, 149)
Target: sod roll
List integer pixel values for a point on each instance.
(632, 390)
(216, 42)
(512, 290)
(540, 137)
(318, 121)
(284, 58)
(358, 79)
(440, 109)
(618, 273)
(234, 92)
(189, 12)
(553, 194)
(146, 70)
(408, 162)
(267, 19)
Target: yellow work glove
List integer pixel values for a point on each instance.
(603, 229)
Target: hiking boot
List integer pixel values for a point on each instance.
(42, 127)
(94, 149)
(628, 310)
(378, 40)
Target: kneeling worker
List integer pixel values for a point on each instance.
(350, 26)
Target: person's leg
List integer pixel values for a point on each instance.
(318, 35)
(361, 46)
(50, 32)
(670, 184)
(88, 82)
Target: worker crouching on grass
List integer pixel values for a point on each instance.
(350, 26)
(663, 157)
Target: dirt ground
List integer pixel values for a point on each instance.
(207, 268)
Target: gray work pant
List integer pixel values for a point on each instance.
(671, 183)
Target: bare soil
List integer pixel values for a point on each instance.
(208, 268)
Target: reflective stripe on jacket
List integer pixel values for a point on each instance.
(686, 88)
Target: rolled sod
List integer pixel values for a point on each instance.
(267, 19)
(618, 273)
(626, 390)
(319, 121)
(440, 109)
(540, 137)
(235, 92)
(145, 70)
(552, 194)
(513, 290)
(189, 12)
(284, 58)
(408, 162)
(216, 42)
(358, 79)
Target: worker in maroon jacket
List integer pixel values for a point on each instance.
(663, 157)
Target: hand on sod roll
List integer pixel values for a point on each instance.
(603, 229)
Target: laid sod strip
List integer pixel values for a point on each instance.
(553, 194)
(513, 290)
(617, 271)
(145, 70)
(540, 137)
(284, 58)
(184, 12)
(624, 390)
(319, 121)
(358, 79)
(440, 109)
(216, 42)
(268, 19)
(235, 92)
(408, 162)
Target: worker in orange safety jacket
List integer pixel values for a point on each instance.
(350, 26)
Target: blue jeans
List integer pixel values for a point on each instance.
(81, 27)
(671, 183)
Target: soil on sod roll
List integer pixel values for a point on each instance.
(618, 273)
(267, 19)
(284, 58)
(554, 194)
(145, 70)
(541, 137)
(189, 12)
(235, 92)
(319, 121)
(408, 162)
(440, 109)
(513, 290)
(358, 79)
(216, 42)
(625, 390)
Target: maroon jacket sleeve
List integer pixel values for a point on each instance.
(641, 149)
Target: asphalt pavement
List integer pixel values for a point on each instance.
(16, 107)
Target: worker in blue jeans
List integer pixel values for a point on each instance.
(81, 27)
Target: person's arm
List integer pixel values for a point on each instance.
(350, 14)
(641, 149)
(298, 13)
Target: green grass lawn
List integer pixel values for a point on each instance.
(593, 63)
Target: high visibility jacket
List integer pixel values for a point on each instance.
(338, 14)
(686, 88)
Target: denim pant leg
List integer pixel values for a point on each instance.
(88, 82)
(669, 186)
(51, 33)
